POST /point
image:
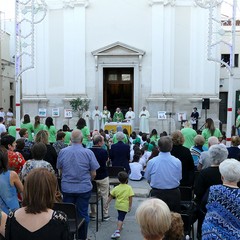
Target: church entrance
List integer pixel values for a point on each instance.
(118, 88)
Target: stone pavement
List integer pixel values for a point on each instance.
(131, 230)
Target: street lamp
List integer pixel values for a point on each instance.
(25, 19)
(215, 42)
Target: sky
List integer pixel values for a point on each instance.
(7, 6)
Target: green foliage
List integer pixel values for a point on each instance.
(79, 105)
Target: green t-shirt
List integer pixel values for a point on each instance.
(154, 139)
(29, 128)
(67, 138)
(189, 135)
(52, 133)
(85, 133)
(122, 192)
(206, 134)
(238, 121)
(12, 131)
(38, 128)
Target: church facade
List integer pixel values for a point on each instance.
(123, 54)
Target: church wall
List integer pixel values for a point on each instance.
(174, 74)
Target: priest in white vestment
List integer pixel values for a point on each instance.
(130, 116)
(96, 118)
(106, 116)
(144, 120)
(87, 116)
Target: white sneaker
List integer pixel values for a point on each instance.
(116, 235)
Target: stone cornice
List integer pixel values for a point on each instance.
(75, 3)
(164, 2)
(60, 4)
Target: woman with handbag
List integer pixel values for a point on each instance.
(10, 185)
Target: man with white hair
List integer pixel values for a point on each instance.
(120, 152)
(204, 161)
(78, 166)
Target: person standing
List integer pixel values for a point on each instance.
(101, 178)
(210, 130)
(189, 134)
(28, 125)
(106, 116)
(194, 118)
(144, 120)
(120, 152)
(130, 115)
(118, 116)
(164, 173)
(2, 126)
(2, 113)
(78, 166)
(9, 115)
(123, 194)
(81, 125)
(52, 131)
(87, 116)
(37, 125)
(96, 118)
(238, 122)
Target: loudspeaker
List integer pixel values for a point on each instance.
(205, 103)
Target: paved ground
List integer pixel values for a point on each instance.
(131, 230)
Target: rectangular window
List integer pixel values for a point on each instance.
(226, 59)
(11, 86)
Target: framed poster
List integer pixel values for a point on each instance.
(162, 115)
(181, 116)
(55, 112)
(42, 112)
(68, 113)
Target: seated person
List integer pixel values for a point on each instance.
(222, 220)
(157, 215)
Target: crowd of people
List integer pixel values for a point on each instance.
(30, 165)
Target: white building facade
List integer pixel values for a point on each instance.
(123, 53)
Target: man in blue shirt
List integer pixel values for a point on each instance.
(164, 173)
(78, 166)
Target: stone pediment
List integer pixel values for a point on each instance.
(118, 49)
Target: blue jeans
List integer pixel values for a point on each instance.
(81, 200)
(238, 131)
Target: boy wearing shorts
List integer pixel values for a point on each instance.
(123, 194)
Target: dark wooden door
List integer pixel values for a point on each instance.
(118, 88)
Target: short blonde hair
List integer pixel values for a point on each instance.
(177, 138)
(154, 218)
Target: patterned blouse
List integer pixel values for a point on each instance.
(222, 220)
(15, 161)
(32, 164)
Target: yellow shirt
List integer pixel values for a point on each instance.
(122, 192)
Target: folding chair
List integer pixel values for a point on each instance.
(187, 209)
(188, 224)
(74, 222)
(186, 193)
(113, 174)
(95, 198)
